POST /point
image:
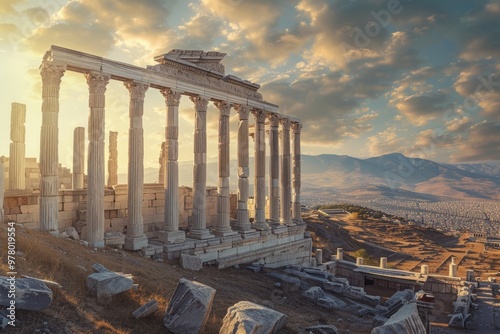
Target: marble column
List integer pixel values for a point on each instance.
(162, 160)
(296, 173)
(260, 170)
(286, 195)
(199, 228)
(97, 83)
(243, 222)
(223, 227)
(135, 238)
(171, 232)
(17, 158)
(2, 187)
(113, 159)
(78, 157)
(49, 157)
(274, 187)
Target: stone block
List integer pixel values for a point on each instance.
(189, 307)
(31, 294)
(104, 285)
(191, 262)
(146, 309)
(248, 317)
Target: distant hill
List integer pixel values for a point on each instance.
(388, 176)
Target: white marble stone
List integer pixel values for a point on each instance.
(113, 159)
(286, 200)
(260, 170)
(97, 83)
(274, 189)
(78, 157)
(296, 172)
(17, 158)
(199, 227)
(49, 157)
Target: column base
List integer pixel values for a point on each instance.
(224, 232)
(96, 244)
(262, 226)
(135, 243)
(200, 234)
(172, 237)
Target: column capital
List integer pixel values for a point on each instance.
(97, 82)
(273, 119)
(296, 127)
(285, 123)
(52, 73)
(172, 97)
(260, 115)
(224, 108)
(137, 89)
(243, 111)
(200, 103)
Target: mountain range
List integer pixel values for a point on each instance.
(388, 176)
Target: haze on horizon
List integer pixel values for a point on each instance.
(366, 77)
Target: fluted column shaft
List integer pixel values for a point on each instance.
(171, 171)
(260, 170)
(135, 227)
(49, 157)
(296, 173)
(17, 159)
(97, 83)
(223, 227)
(113, 159)
(243, 222)
(286, 196)
(199, 228)
(78, 157)
(274, 187)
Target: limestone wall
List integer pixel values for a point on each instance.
(22, 207)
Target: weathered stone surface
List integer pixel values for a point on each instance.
(314, 293)
(250, 318)
(106, 284)
(191, 262)
(146, 309)
(114, 239)
(189, 307)
(322, 329)
(404, 295)
(72, 233)
(406, 320)
(31, 294)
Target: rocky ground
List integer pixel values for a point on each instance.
(74, 310)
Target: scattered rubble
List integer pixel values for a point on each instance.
(405, 320)
(461, 308)
(189, 307)
(248, 317)
(146, 309)
(104, 284)
(31, 294)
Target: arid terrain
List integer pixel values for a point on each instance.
(75, 311)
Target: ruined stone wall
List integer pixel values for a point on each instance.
(32, 175)
(23, 207)
(443, 287)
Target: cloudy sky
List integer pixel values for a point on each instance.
(366, 77)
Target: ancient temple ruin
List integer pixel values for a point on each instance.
(201, 77)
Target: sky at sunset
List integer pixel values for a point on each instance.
(366, 77)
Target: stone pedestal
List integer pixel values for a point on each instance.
(49, 157)
(223, 227)
(113, 159)
(296, 183)
(243, 222)
(274, 187)
(78, 157)
(17, 178)
(260, 171)
(171, 232)
(135, 238)
(97, 83)
(199, 228)
(285, 214)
